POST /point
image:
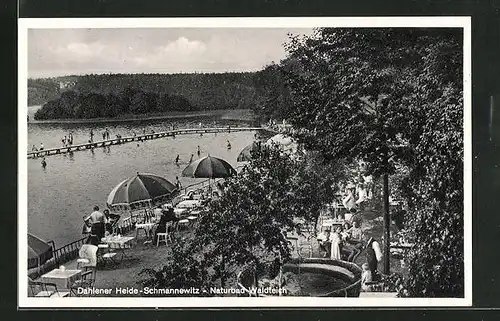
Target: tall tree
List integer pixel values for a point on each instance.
(353, 93)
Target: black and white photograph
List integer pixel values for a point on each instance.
(250, 162)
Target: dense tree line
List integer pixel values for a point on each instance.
(392, 97)
(76, 104)
(203, 91)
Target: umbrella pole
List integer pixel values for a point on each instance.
(38, 269)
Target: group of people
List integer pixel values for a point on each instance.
(67, 140)
(355, 197)
(98, 224)
(105, 134)
(34, 149)
(345, 242)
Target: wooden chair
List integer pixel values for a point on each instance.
(165, 236)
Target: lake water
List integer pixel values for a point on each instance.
(67, 189)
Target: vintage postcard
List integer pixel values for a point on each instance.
(245, 162)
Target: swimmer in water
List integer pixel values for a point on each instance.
(191, 159)
(228, 145)
(177, 159)
(199, 151)
(44, 163)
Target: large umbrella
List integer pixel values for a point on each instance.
(246, 153)
(209, 167)
(141, 190)
(286, 143)
(39, 252)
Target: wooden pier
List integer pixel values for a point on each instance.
(137, 138)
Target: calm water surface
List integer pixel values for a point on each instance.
(70, 185)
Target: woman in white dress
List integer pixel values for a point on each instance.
(335, 239)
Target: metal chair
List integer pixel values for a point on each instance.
(87, 280)
(44, 291)
(105, 254)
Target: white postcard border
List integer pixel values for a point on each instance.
(303, 22)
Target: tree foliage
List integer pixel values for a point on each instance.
(247, 225)
(203, 91)
(75, 104)
(392, 97)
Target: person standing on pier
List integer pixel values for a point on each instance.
(191, 159)
(91, 135)
(103, 135)
(41, 146)
(199, 151)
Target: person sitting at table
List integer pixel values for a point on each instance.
(110, 221)
(349, 200)
(345, 231)
(324, 242)
(161, 227)
(354, 241)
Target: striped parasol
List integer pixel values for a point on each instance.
(143, 188)
(209, 167)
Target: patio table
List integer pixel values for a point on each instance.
(147, 227)
(181, 212)
(195, 213)
(189, 204)
(62, 278)
(120, 243)
(331, 223)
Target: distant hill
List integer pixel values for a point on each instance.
(41, 91)
(202, 91)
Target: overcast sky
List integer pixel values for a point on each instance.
(57, 52)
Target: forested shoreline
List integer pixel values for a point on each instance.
(112, 95)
